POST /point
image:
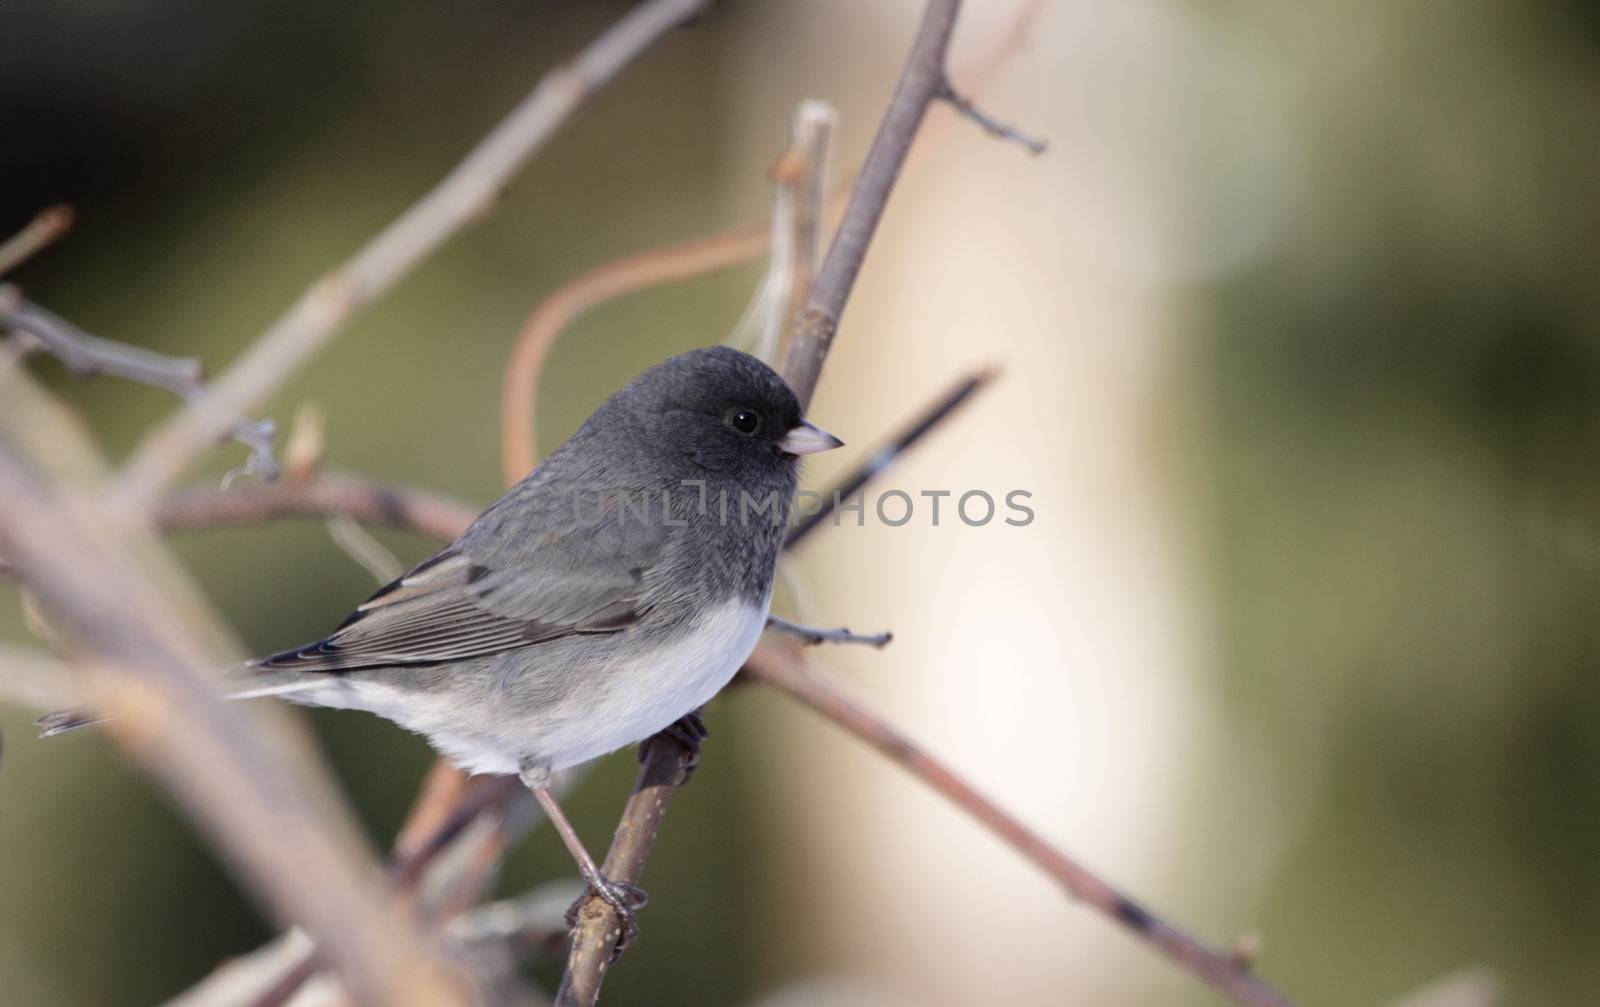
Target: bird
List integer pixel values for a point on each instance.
(604, 598)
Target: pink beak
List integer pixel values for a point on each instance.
(807, 439)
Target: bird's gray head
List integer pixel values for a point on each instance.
(725, 410)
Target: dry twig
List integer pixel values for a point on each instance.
(936, 413)
(800, 179)
(46, 228)
(811, 636)
(464, 195)
(921, 83)
(785, 669)
(621, 276)
(805, 172)
(989, 124)
(321, 495)
(86, 355)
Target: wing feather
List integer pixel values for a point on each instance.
(446, 610)
(527, 571)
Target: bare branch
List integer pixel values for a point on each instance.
(463, 196)
(323, 495)
(597, 931)
(86, 355)
(811, 636)
(785, 669)
(45, 229)
(248, 788)
(989, 124)
(551, 317)
(815, 125)
(361, 546)
(920, 84)
(935, 414)
(800, 179)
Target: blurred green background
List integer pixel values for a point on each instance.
(1365, 409)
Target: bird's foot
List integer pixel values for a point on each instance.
(689, 732)
(623, 898)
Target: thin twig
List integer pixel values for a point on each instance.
(86, 355)
(936, 413)
(920, 84)
(323, 495)
(46, 228)
(989, 124)
(464, 195)
(785, 669)
(612, 279)
(799, 181)
(363, 547)
(812, 635)
(815, 124)
(596, 933)
(675, 263)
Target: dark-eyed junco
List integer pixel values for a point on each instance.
(609, 594)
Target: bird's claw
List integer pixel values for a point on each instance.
(689, 731)
(623, 898)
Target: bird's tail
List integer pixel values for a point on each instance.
(245, 681)
(62, 721)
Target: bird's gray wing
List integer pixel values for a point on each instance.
(460, 604)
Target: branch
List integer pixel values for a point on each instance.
(921, 83)
(989, 124)
(86, 355)
(811, 636)
(786, 670)
(464, 195)
(799, 203)
(595, 935)
(251, 791)
(936, 413)
(807, 178)
(45, 229)
(597, 930)
(612, 279)
(322, 495)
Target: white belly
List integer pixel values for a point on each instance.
(671, 682)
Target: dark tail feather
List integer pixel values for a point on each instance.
(283, 683)
(62, 721)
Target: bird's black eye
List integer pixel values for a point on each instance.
(745, 421)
